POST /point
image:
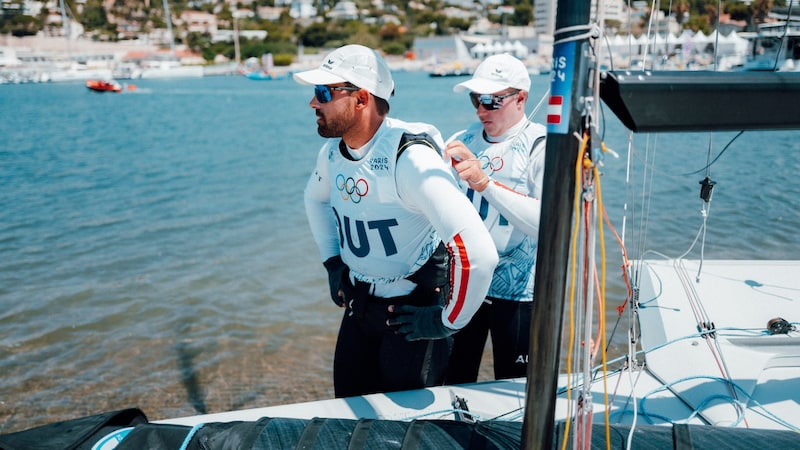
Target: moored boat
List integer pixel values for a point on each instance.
(264, 75)
(775, 47)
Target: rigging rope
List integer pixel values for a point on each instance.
(638, 208)
(573, 270)
(588, 229)
(586, 285)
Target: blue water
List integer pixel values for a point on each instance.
(154, 251)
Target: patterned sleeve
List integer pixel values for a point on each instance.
(522, 211)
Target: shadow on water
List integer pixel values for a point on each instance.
(189, 378)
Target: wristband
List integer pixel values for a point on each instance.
(481, 183)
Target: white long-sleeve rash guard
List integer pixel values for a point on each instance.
(510, 204)
(425, 186)
(517, 196)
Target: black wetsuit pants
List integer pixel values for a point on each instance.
(370, 358)
(510, 325)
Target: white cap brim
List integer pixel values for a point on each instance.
(317, 76)
(480, 86)
(355, 64)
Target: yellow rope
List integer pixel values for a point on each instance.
(573, 270)
(602, 303)
(579, 166)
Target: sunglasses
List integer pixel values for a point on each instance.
(490, 102)
(323, 93)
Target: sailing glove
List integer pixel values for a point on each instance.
(337, 271)
(419, 322)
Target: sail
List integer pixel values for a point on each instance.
(462, 53)
(268, 62)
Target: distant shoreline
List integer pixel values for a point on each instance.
(45, 58)
(41, 44)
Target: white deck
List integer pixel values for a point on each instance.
(684, 379)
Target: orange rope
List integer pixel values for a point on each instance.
(587, 173)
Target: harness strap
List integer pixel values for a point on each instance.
(409, 139)
(406, 140)
(537, 142)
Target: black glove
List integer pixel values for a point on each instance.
(337, 270)
(419, 322)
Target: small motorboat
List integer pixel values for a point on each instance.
(104, 85)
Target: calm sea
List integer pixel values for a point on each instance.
(154, 250)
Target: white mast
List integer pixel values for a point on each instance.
(66, 26)
(168, 18)
(237, 53)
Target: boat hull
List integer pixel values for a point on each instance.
(103, 86)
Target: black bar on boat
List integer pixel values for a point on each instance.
(570, 62)
(651, 101)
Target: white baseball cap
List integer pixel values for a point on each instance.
(354, 64)
(496, 73)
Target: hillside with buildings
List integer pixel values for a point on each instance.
(136, 33)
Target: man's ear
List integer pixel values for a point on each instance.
(362, 96)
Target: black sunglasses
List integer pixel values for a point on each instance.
(323, 93)
(489, 101)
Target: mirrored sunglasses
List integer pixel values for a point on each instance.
(323, 93)
(490, 102)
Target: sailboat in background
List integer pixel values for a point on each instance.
(714, 354)
(71, 70)
(169, 65)
(462, 65)
(775, 47)
(265, 71)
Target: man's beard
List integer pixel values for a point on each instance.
(335, 127)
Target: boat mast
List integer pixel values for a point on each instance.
(168, 18)
(66, 27)
(236, 51)
(568, 92)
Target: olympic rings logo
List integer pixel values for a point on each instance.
(495, 163)
(353, 190)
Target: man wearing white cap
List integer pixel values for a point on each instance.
(407, 256)
(500, 159)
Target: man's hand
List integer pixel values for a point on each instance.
(415, 322)
(467, 165)
(337, 270)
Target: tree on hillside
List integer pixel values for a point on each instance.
(19, 25)
(281, 30)
(760, 10)
(318, 33)
(681, 9)
(523, 14)
(699, 23)
(94, 18)
(713, 14)
(738, 11)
